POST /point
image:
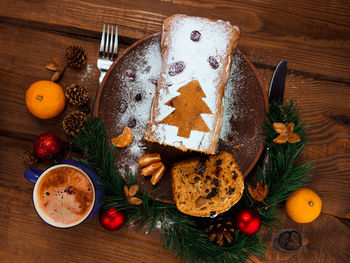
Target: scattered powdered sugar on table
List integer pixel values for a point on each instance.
(135, 83)
(139, 86)
(231, 109)
(234, 110)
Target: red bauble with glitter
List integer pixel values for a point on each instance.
(112, 219)
(47, 146)
(248, 221)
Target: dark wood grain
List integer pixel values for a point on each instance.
(313, 36)
(316, 238)
(34, 49)
(23, 233)
(325, 108)
(310, 36)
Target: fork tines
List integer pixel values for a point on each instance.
(109, 42)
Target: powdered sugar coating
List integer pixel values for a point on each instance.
(242, 118)
(207, 61)
(146, 71)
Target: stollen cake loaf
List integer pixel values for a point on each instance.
(186, 110)
(207, 187)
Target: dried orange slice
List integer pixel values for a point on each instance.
(158, 174)
(149, 159)
(123, 139)
(151, 169)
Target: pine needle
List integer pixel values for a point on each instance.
(179, 233)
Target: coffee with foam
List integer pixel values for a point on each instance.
(64, 196)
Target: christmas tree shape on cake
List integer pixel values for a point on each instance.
(188, 109)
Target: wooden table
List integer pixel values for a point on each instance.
(313, 36)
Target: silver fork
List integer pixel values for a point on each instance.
(108, 50)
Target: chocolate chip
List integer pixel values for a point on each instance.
(207, 190)
(231, 190)
(132, 123)
(213, 62)
(208, 177)
(130, 74)
(195, 35)
(217, 171)
(216, 182)
(122, 106)
(201, 165)
(47, 193)
(218, 162)
(196, 179)
(213, 193)
(176, 68)
(234, 175)
(138, 97)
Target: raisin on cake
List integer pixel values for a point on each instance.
(207, 187)
(186, 111)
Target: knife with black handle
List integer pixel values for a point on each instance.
(276, 95)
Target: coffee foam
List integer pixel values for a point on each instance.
(64, 196)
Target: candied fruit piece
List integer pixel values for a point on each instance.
(195, 35)
(176, 68)
(213, 62)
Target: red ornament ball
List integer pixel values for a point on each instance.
(248, 221)
(112, 219)
(47, 146)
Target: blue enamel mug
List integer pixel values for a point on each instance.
(65, 200)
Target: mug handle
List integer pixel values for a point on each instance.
(32, 174)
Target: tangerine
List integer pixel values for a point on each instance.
(45, 99)
(123, 139)
(303, 205)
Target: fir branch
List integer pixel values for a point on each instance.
(283, 176)
(179, 233)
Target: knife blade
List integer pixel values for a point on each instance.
(277, 83)
(276, 93)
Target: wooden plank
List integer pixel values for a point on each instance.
(21, 68)
(327, 113)
(324, 240)
(26, 235)
(23, 235)
(314, 38)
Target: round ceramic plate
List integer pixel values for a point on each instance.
(125, 98)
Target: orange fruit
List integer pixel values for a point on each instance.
(45, 99)
(123, 139)
(303, 205)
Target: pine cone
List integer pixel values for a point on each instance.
(75, 56)
(77, 95)
(221, 230)
(29, 159)
(73, 122)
